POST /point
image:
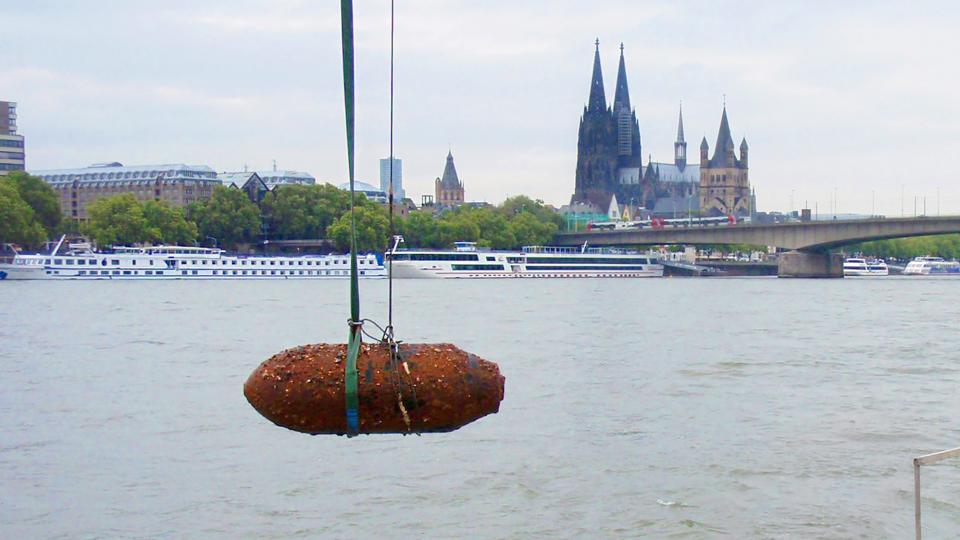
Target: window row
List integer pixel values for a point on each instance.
(204, 262)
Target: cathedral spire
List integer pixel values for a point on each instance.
(680, 126)
(621, 98)
(598, 101)
(680, 146)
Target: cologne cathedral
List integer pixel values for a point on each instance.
(610, 164)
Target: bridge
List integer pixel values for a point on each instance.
(809, 241)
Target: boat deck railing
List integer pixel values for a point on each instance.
(575, 250)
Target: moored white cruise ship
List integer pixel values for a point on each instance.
(180, 262)
(932, 266)
(465, 261)
(855, 267)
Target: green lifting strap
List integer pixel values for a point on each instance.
(351, 376)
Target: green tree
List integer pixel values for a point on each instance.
(228, 216)
(41, 198)
(372, 229)
(514, 206)
(418, 229)
(460, 226)
(494, 230)
(18, 223)
(301, 211)
(947, 246)
(517, 222)
(530, 231)
(118, 220)
(169, 224)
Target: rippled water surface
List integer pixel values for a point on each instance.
(674, 408)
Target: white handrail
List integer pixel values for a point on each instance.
(926, 460)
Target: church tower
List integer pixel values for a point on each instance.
(597, 141)
(680, 146)
(724, 181)
(448, 189)
(628, 130)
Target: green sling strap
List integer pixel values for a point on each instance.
(353, 344)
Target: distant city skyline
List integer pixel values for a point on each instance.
(839, 103)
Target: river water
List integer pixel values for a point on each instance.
(665, 408)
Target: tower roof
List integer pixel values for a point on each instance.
(598, 101)
(680, 127)
(743, 144)
(703, 144)
(724, 141)
(449, 179)
(621, 97)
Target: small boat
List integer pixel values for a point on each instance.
(856, 267)
(932, 266)
(180, 262)
(466, 261)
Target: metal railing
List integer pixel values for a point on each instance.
(926, 460)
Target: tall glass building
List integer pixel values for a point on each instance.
(398, 193)
(12, 157)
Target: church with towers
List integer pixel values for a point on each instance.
(610, 169)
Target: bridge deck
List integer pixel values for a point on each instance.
(803, 236)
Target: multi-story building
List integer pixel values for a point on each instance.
(448, 189)
(724, 181)
(12, 155)
(274, 178)
(248, 182)
(398, 193)
(177, 184)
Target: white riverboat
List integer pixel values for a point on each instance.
(932, 266)
(856, 267)
(181, 262)
(466, 261)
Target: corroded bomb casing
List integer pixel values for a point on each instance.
(430, 388)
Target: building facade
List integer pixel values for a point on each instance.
(398, 193)
(248, 182)
(724, 178)
(176, 184)
(12, 153)
(276, 178)
(448, 189)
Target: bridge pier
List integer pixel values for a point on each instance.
(802, 264)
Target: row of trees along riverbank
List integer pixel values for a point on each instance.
(30, 214)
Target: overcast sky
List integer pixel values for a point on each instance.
(857, 97)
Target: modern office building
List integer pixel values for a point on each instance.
(398, 193)
(177, 184)
(12, 155)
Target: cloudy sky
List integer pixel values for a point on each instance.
(853, 98)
